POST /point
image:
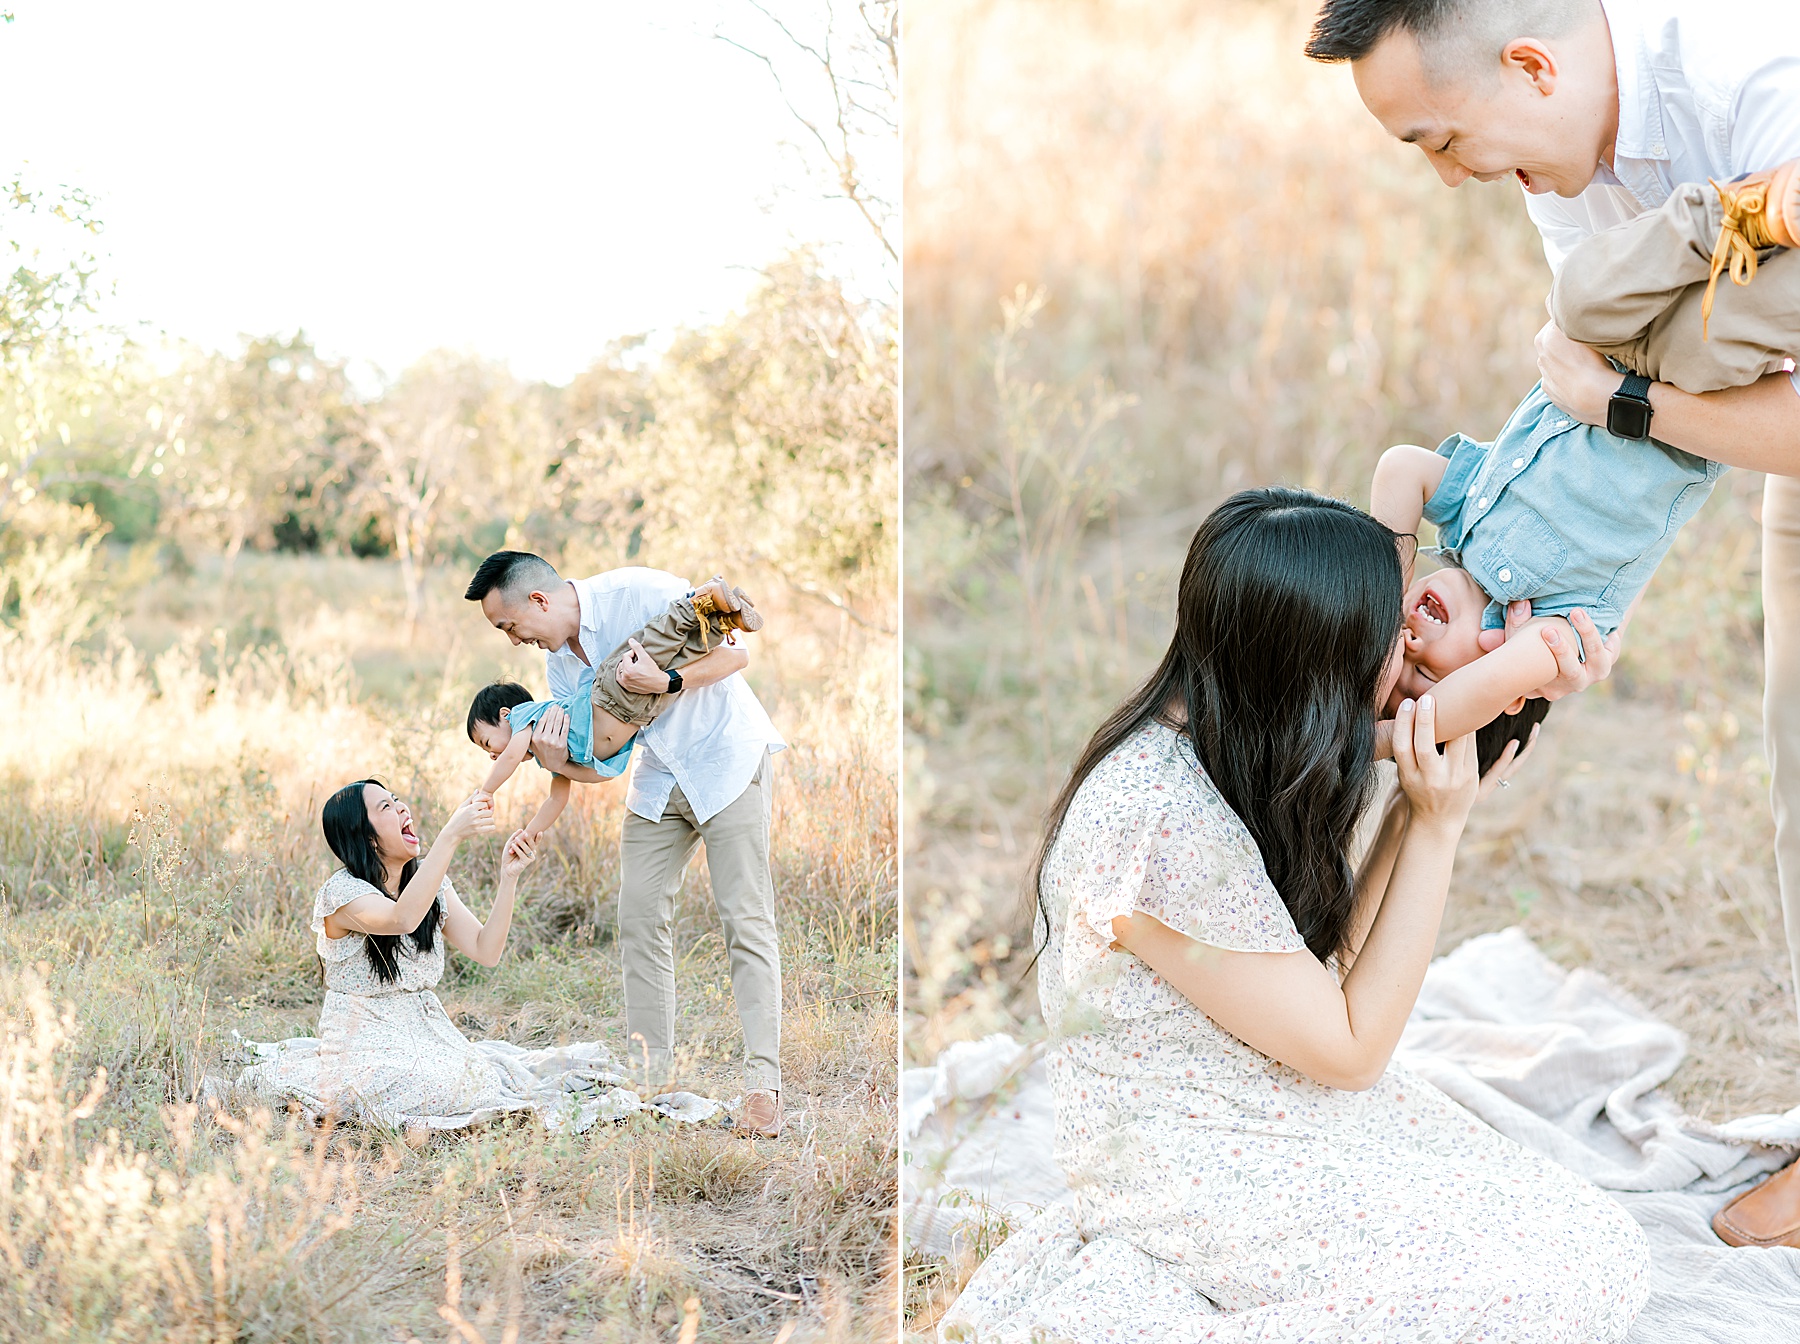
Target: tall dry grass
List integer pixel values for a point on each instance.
(159, 850)
(1154, 256)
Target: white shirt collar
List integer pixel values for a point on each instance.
(1640, 134)
(586, 622)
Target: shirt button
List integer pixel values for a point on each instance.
(1506, 576)
(1518, 462)
(1481, 503)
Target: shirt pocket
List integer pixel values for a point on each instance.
(1522, 558)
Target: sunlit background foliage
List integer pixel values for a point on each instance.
(230, 581)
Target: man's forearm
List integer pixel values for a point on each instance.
(1756, 427)
(713, 667)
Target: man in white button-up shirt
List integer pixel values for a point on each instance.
(1600, 108)
(700, 775)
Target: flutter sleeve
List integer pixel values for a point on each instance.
(337, 892)
(1153, 835)
(1208, 881)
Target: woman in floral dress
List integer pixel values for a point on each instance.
(1224, 997)
(387, 1054)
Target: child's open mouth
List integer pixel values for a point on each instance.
(1524, 178)
(1432, 610)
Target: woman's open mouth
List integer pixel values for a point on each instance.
(1432, 609)
(408, 834)
(1524, 178)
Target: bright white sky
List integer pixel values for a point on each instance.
(526, 180)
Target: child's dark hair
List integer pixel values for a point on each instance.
(490, 700)
(1491, 738)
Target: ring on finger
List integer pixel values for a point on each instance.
(1506, 783)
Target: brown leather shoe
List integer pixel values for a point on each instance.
(1760, 210)
(760, 1117)
(724, 610)
(1768, 1215)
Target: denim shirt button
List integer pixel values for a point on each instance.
(1481, 503)
(1518, 462)
(1506, 576)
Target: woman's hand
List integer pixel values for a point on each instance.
(474, 817)
(1502, 770)
(1440, 788)
(521, 853)
(1576, 378)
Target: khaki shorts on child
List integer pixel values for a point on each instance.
(1634, 292)
(673, 639)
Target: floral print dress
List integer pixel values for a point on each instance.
(1219, 1195)
(389, 1055)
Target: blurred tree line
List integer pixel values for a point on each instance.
(767, 441)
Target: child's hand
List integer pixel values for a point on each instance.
(482, 796)
(521, 852)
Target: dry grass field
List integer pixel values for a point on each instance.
(159, 848)
(1153, 256)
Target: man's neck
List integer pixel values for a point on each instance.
(1610, 148)
(572, 614)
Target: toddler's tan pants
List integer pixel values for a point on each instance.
(673, 639)
(1634, 292)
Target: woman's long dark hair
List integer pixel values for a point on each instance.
(1287, 614)
(351, 836)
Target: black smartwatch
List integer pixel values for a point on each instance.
(674, 681)
(1628, 413)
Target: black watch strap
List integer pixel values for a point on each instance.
(1628, 413)
(674, 681)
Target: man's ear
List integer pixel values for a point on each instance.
(538, 600)
(1530, 57)
(1515, 706)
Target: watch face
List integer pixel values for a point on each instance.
(1628, 417)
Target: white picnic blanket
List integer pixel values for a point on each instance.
(1561, 1061)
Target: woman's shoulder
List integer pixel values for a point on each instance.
(1132, 786)
(339, 890)
(1153, 764)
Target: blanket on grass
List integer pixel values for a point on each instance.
(1562, 1061)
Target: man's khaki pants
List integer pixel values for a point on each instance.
(653, 856)
(1781, 690)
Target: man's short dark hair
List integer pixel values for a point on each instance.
(1348, 30)
(490, 700)
(514, 573)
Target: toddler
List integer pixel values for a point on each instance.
(604, 717)
(1569, 515)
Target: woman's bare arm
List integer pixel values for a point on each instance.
(486, 941)
(377, 914)
(1287, 1004)
(1377, 870)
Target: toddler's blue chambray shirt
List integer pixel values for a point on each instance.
(1563, 513)
(580, 709)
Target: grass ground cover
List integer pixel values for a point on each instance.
(1134, 285)
(159, 850)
